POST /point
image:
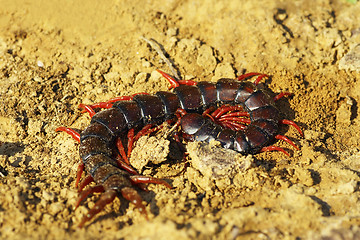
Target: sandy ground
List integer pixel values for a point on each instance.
(54, 56)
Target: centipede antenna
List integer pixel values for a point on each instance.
(160, 50)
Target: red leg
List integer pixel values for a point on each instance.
(284, 138)
(247, 75)
(144, 131)
(171, 80)
(107, 104)
(147, 129)
(74, 134)
(88, 179)
(228, 119)
(133, 196)
(125, 166)
(110, 102)
(288, 122)
(79, 172)
(209, 116)
(280, 95)
(228, 125)
(175, 83)
(121, 149)
(274, 148)
(209, 110)
(87, 108)
(236, 119)
(236, 114)
(187, 82)
(259, 78)
(105, 198)
(233, 125)
(218, 111)
(180, 112)
(223, 109)
(144, 179)
(178, 142)
(87, 192)
(130, 137)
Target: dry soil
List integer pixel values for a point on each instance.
(55, 55)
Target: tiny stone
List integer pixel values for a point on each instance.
(206, 59)
(343, 113)
(55, 208)
(40, 64)
(48, 196)
(141, 77)
(146, 64)
(345, 188)
(224, 70)
(351, 60)
(111, 76)
(171, 32)
(313, 135)
(47, 218)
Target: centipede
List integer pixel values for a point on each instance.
(236, 112)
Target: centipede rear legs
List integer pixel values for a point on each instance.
(107, 197)
(135, 180)
(80, 185)
(128, 193)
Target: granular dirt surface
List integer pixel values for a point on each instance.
(55, 55)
